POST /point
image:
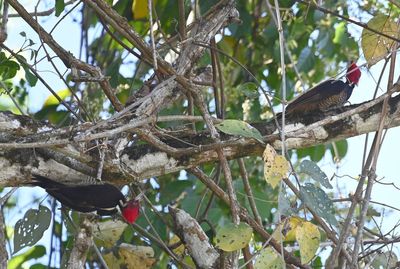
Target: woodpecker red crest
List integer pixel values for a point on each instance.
(100, 198)
(353, 73)
(130, 211)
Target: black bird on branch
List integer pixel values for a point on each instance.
(326, 95)
(104, 199)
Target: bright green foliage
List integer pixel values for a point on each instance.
(237, 127)
(32, 253)
(60, 5)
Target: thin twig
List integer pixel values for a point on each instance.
(42, 13)
(288, 52)
(102, 152)
(375, 149)
(43, 81)
(249, 192)
(159, 239)
(181, 20)
(99, 255)
(375, 93)
(289, 258)
(363, 25)
(214, 64)
(234, 205)
(4, 20)
(283, 71)
(283, 101)
(8, 91)
(153, 44)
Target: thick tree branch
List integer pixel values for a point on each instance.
(137, 162)
(195, 240)
(83, 241)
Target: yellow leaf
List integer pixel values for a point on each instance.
(275, 167)
(137, 256)
(308, 237)
(112, 261)
(269, 153)
(52, 100)
(287, 230)
(374, 46)
(107, 233)
(278, 233)
(179, 250)
(291, 233)
(140, 9)
(231, 237)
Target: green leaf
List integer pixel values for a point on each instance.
(23, 34)
(268, 259)
(310, 168)
(38, 266)
(372, 212)
(374, 46)
(340, 33)
(338, 149)
(317, 263)
(52, 100)
(386, 259)
(30, 77)
(8, 68)
(31, 227)
(32, 253)
(306, 60)
(233, 237)
(249, 89)
(316, 199)
(315, 153)
(60, 5)
(238, 127)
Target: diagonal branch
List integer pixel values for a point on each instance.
(66, 57)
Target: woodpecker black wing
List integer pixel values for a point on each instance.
(45, 183)
(330, 93)
(103, 198)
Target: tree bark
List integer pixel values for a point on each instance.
(29, 147)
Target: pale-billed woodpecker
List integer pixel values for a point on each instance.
(104, 199)
(326, 95)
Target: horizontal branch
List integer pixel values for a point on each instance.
(139, 161)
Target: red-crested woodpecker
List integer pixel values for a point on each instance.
(104, 199)
(328, 94)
